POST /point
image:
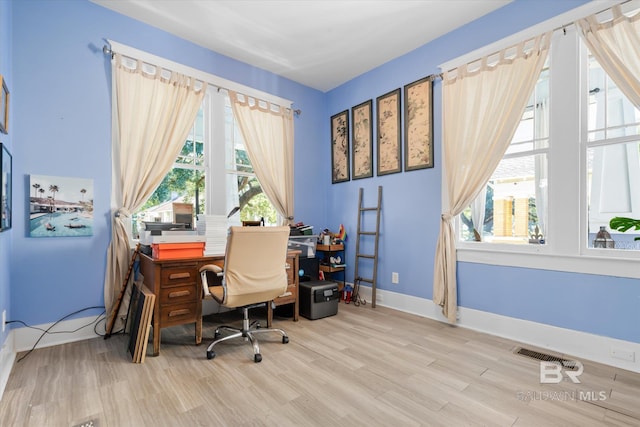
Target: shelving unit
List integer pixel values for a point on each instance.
(330, 271)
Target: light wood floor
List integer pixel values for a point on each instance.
(362, 367)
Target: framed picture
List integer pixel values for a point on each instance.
(362, 140)
(4, 106)
(340, 147)
(5, 191)
(388, 126)
(418, 124)
(60, 206)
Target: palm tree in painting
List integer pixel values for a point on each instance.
(54, 189)
(35, 189)
(83, 191)
(41, 191)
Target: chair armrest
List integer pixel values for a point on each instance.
(212, 267)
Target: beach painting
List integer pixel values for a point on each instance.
(60, 206)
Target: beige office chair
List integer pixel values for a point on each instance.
(254, 273)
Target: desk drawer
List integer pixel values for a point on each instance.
(172, 276)
(177, 314)
(179, 294)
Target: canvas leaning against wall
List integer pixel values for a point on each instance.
(60, 206)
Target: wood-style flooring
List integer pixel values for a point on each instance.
(362, 367)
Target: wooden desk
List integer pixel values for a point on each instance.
(178, 289)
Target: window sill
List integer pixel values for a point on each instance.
(541, 257)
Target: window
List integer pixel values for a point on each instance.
(212, 172)
(573, 164)
(185, 183)
(512, 208)
(613, 161)
(243, 188)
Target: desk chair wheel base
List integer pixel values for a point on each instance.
(211, 354)
(257, 358)
(285, 339)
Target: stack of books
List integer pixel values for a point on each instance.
(303, 229)
(214, 228)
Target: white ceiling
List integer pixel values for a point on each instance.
(319, 43)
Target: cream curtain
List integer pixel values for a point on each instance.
(616, 46)
(268, 137)
(153, 111)
(481, 111)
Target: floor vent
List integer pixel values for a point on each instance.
(566, 363)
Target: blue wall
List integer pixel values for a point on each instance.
(412, 204)
(61, 126)
(6, 236)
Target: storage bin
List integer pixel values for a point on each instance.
(177, 250)
(306, 244)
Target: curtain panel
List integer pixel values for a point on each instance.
(483, 103)
(267, 130)
(153, 111)
(616, 46)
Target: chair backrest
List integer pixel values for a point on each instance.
(254, 266)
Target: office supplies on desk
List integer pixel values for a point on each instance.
(213, 228)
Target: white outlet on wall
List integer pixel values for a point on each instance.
(395, 278)
(628, 355)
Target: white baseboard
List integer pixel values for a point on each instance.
(568, 342)
(7, 358)
(64, 332)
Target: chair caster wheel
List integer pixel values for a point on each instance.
(285, 340)
(216, 336)
(257, 358)
(211, 354)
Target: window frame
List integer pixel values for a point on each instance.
(567, 246)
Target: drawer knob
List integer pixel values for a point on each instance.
(179, 312)
(178, 294)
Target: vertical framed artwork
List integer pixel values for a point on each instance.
(4, 106)
(362, 140)
(388, 126)
(60, 206)
(340, 147)
(5, 190)
(418, 124)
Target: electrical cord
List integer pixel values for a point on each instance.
(99, 318)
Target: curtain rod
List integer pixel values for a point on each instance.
(106, 49)
(557, 27)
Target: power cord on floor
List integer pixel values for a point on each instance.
(99, 318)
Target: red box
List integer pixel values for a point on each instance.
(177, 250)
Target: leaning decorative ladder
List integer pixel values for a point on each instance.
(359, 256)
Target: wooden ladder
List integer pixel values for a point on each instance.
(359, 256)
